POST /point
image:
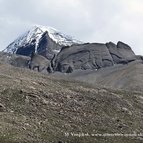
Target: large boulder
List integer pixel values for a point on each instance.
(20, 61)
(125, 50)
(40, 63)
(83, 56)
(121, 53)
(15, 60)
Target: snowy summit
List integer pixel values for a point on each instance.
(36, 33)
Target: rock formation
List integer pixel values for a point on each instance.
(93, 56)
(46, 45)
(121, 53)
(68, 54)
(40, 63)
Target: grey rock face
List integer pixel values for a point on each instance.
(26, 50)
(117, 57)
(125, 51)
(121, 53)
(15, 60)
(64, 68)
(84, 56)
(20, 61)
(54, 39)
(139, 57)
(47, 46)
(40, 63)
(93, 56)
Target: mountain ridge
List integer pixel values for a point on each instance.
(70, 54)
(95, 89)
(34, 35)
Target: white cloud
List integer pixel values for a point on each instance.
(88, 20)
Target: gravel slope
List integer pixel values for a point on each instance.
(37, 108)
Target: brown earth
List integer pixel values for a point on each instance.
(36, 108)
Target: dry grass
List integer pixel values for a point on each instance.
(37, 108)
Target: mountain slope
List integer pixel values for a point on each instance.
(127, 77)
(37, 108)
(33, 36)
(121, 76)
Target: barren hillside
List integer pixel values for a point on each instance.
(37, 108)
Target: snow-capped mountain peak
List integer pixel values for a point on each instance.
(36, 33)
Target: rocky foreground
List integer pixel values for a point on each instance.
(37, 108)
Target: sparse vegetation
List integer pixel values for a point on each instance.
(41, 109)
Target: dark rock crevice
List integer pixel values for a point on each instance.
(27, 50)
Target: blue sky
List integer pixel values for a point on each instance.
(86, 20)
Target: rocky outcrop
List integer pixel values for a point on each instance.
(121, 53)
(40, 63)
(15, 60)
(139, 57)
(20, 61)
(26, 50)
(93, 56)
(66, 59)
(42, 37)
(47, 46)
(85, 56)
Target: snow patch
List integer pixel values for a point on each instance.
(36, 33)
